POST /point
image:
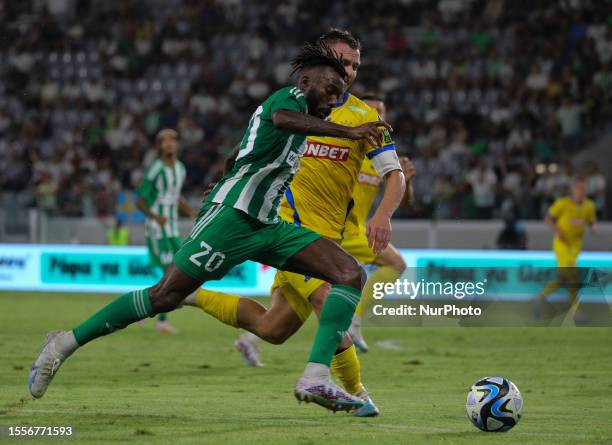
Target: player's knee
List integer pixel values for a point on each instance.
(398, 264)
(273, 336)
(352, 275)
(392, 258)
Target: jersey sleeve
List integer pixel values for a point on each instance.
(383, 158)
(557, 208)
(292, 100)
(591, 215)
(146, 189)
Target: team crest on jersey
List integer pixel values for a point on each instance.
(293, 159)
(387, 137)
(326, 151)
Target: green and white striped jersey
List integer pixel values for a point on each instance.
(267, 161)
(161, 190)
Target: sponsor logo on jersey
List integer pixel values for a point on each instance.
(364, 178)
(326, 151)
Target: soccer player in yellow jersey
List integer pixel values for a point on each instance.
(567, 217)
(319, 198)
(389, 262)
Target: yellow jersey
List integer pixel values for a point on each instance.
(320, 195)
(367, 187)
(571, 217)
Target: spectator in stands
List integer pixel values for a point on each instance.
(596, 187)
(569, 116)
(46, 194)
(483, 183)
(88, 84)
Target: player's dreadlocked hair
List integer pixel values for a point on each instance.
(318, 54)
(334, 35)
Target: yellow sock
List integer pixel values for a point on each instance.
(385, 274)
(224, 307)
(346, 367)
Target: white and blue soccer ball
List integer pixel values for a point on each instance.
(494, 404)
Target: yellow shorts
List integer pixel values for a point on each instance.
(297, 289)
(566, 252)
(358, 247)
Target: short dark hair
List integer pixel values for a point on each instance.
(164, 132)
(318, 54)
(372, 96)
(334, 35)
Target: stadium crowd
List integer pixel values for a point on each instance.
(489, 98)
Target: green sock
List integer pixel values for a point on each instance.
(125, 310)
(162, 317)
(335, 320)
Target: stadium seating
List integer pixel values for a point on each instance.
(467, 83)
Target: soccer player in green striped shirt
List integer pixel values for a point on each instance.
(239, 221)
(159, 198)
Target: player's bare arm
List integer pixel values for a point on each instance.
(144, 208)
(409, 173)
(186, 209)
(379, 226)
(550, 221)
(313, 126)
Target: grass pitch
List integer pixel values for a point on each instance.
(144, 387)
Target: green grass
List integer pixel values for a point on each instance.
(143, 387)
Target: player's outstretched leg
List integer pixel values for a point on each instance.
(274, 325)
(324, 259)
(129, 308)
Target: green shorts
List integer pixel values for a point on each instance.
(223, 237)
(162, 250)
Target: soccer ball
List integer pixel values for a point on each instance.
(494, 404)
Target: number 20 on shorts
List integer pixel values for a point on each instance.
(213, 263)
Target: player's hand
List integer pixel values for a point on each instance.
(161, 220)
(209, 189)
(407, 168)
(561, 235)
(378, 231)
(370, 132)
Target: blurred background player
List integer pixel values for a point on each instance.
(159, 198)
(567, 217)
(319, 198)
(390, 264)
